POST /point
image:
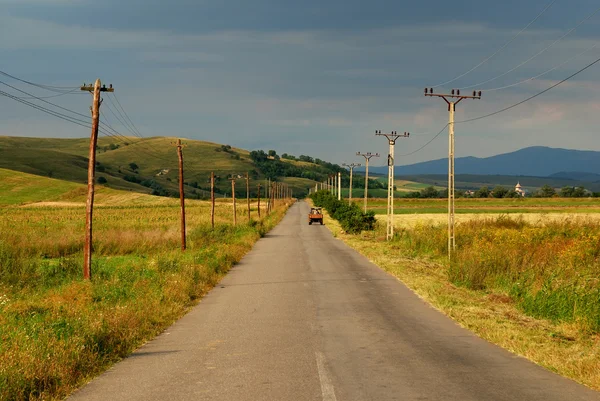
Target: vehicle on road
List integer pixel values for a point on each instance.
(315, 215)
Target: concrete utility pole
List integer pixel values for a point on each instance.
(454, 94)
(232, 179)
(212, 200)
(339, 189)
(181, 193)
(89, 205)
(391, 137)
(367, 157)
(351, 167)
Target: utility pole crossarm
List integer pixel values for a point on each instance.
(90, 88)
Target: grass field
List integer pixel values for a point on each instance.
(56, 330)
(525, 274)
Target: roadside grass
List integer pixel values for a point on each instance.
(58, 331)
(533, 289)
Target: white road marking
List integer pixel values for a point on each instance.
(326, 386)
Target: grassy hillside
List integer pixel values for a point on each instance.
(155, 158)
(17, 188)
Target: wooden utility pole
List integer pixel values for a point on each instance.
(259, 201)
(89, 205)
(232, 179)
(248, 194)
(212, 200)
(181, 193)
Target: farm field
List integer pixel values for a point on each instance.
(58, 331)
(494, 206)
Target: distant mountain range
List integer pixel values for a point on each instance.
(536, 161)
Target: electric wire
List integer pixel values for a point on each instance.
(530, 97)
(543, 73)
(126, 115)
(45, 101)
(46, 87)
(505, 108)
(103, 128)
(501, 48)
(535, 55)
(128, 128)
(46, 110)
(427, 144)
(71, 92)
(142, 146)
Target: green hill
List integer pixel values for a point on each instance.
(150, 165)
(18, 188)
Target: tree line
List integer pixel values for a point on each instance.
(502, 192)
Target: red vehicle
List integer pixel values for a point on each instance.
(315, 215)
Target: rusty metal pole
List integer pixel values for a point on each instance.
(248, 194)
(89, 206)
(259, 201)
(212, 200)
(181, 194)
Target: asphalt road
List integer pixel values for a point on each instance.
(304, 317)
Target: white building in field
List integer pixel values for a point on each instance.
(519, 189)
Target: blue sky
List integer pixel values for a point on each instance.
(310, 77)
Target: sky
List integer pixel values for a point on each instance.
(311, 77)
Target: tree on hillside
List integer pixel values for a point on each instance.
(308, 159)
(133, 166)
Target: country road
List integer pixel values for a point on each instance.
(305, 317)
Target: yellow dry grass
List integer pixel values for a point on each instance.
(411, 220)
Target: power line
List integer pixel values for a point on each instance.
(45, 101)
(46, 87)
(543, 73)
(424, 146)
(48, 111)
(501, 48)
(71, 92)
(531, 97)
(126, 115)
(121, 121)
(535, 55)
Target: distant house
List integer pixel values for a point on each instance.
(519, 189)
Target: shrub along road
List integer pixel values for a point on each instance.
(305, 317)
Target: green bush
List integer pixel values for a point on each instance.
(351, 217)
